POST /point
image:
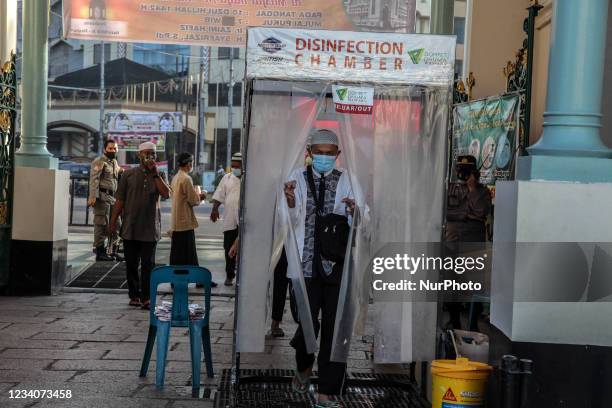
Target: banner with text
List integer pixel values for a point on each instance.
(143, 122)
(350, 56)
(224, 22)
(488, 130)
(130, 141)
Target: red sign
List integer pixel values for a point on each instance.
(359, 109)
(449, 396)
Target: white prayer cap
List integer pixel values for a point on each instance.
(146, 146)
(323, 136)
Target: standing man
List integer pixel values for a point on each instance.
(312, 193)
(137, 202)
(183, 220)
(228, 194)
(103, 179)
(469, 204)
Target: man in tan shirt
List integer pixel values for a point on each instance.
(183, 220)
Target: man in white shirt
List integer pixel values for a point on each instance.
(322, 276)
(228, 194)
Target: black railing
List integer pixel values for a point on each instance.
(79, 211)
(8, 114)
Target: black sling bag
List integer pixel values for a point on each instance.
(331, 230)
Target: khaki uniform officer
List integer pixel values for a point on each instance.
(103, 180)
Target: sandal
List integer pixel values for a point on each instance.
(300, 384)
(276, 332)
(146, 305)
(135, 302)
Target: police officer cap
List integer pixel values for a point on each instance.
(323, 136)
(184, 158)
(466, 160)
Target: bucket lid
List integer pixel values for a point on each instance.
(460, 365)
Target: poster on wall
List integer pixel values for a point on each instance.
(488, 130)
(129, 141)
(224, 23)
(143, 122)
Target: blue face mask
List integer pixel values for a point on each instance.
(237, 172)
(323, 163)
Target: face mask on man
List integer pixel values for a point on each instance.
(110, 155)
(323, 163)
(236, 172)
(147, 158)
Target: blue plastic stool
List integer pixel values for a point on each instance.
(199, 333)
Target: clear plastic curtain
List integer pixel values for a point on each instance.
(396, 161)
(410, 161)
(281, 117)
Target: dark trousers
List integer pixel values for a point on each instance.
(323, 295)
(279, 293)
(461, 232)
(183, 248)
(139, 253)
(230, 263)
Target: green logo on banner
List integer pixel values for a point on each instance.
(342, 92)
(416, 55)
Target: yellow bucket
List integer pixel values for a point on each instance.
(459, 383)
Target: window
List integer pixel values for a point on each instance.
(168, 58)
(224, 53)
(459, 29)
(59, 56)
(223, 94)
(98, 50)
(237, 96)
(218, 94)
(212, 94)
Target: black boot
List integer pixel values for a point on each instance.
(101, 255)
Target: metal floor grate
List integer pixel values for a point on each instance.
(363, 391)
(102, 275)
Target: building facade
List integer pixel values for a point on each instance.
(74, 114)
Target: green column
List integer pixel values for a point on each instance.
(33, 151)
(442, 16)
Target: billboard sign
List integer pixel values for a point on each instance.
(115, 122)
(224, 23)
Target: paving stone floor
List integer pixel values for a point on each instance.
(92, 344)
